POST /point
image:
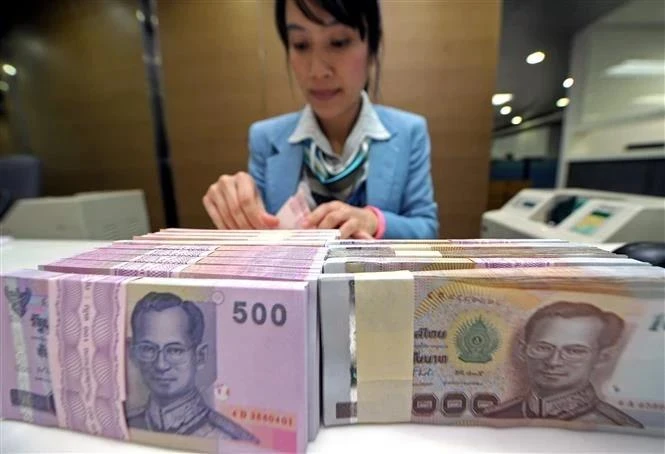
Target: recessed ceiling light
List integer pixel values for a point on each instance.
(9, 69)
(562, 102)
(505, 110)
(568, 82)
(501, 98)
(535, 58)
(140, 16)
(516, 120)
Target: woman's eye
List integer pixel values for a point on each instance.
(340, 43)
(300, 46)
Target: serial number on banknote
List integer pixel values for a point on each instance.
(264, 416)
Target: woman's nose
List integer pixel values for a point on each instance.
(319, 67)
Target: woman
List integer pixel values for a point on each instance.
(367, 167)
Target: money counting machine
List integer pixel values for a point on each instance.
(578, 215)
(98, 215)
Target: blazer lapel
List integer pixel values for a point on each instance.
(382, 159)
(283, 171)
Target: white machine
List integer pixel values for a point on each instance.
(578, 215)
(103, 215)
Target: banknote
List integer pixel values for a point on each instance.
(266, 236)
(210, 259)
(26, 390)
(204, 257)
(218, 366)
(253, 234)
(86, 345)
(245, 271)
(458, 250)
(257, 235)
(438, 245)
(385, 242)
(208, 365)
(188, 240)
(290, 232)
(578, 348)
(308, 275)
(268, 251)
(294, 211)
(379, 264)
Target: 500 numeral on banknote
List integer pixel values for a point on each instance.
(259, 314)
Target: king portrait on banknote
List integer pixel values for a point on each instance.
(167, 347)
(563, 343)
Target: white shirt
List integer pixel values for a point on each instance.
(367, 126)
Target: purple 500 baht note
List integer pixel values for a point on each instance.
(218, 365)
(86, 342)
(25, 382)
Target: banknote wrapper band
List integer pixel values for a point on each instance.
(384, 346)
(92, 423)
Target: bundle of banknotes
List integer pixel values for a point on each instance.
(498, 333)
(207, 345)
(214, 341)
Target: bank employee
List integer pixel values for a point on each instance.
(367, 166)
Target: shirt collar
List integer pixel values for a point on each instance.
(368, 125)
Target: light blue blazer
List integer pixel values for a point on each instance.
(399, 180)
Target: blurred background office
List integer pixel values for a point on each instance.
(140, 104)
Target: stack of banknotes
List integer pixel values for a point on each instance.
(245, 341)
(492, 332)
(195, 340)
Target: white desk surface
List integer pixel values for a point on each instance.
(18, 437)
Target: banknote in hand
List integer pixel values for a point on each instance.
(294, 211)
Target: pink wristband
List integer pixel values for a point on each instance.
(381, 221)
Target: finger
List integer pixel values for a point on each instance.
(334, 219)
(349, 228)
(221, 200)
(216, 201)
(213, 212)
(316, 216)
(269, 220)
(249, 201)
(235, 210)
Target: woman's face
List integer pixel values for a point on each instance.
(331, 61)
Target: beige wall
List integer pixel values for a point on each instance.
(82, 96)
(439, 61)
(213, 91)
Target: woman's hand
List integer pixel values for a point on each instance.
(352, 222)
(233, 202)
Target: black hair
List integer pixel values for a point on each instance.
(612, 323)
(158, 302)
(361, 15)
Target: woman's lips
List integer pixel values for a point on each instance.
(324, 95)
